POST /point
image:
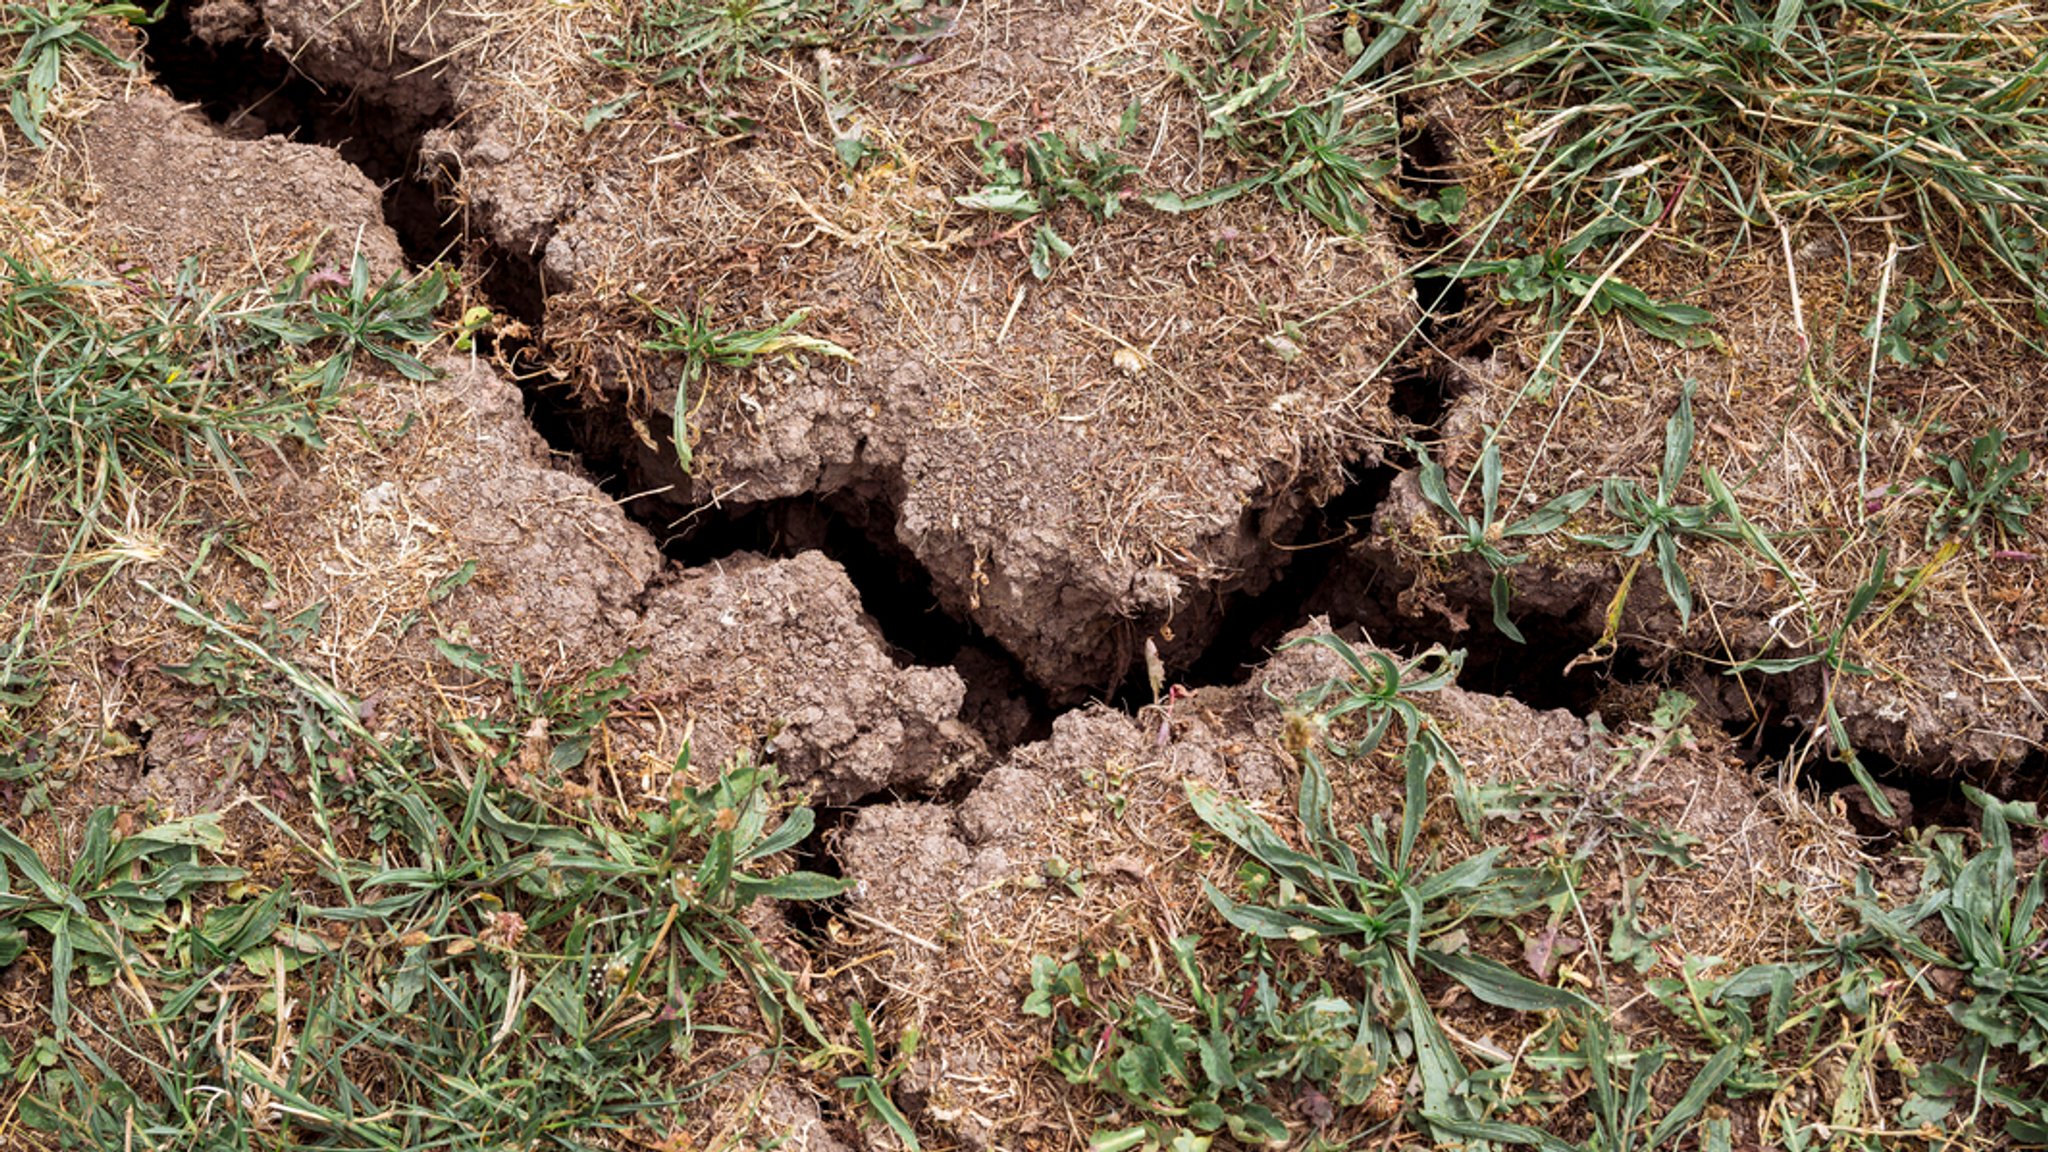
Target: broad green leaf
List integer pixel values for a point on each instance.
(1173, 202)
(1502, 593)
(1489, 483)
(1003, 200)
(795, 827)
(1497, 1132)
(1551, 516)
(1497, 985)
(1466, 876)
(1120, 1140)
(792, 886)
(24, 860)
(1678, 442)
(1711, 1076)
(1261, 922)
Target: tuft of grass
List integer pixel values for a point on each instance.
(1552, 278)
(1994, 938)
(875, 1074)
(1311, 1010)
(355, 315)
(1484, 535)
(1979, 496)
(510, 962)
(1383, 906)
(1328, 151)
(116, 396)
(1053, 170)
(1851, 107)
(703, 346)
(47, 34)
(1624, 1100)
(98, 392)
(699, 53)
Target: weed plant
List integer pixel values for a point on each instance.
(1980, 498)
(1384, 913)
(500, 962)
(1485, 535)
(703, 346)
(1054, 170)
(110, 392)
(47, 33)
(1328, 152)
(1313, 1006)
(1659, 521)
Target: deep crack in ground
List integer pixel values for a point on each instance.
(1325, 569)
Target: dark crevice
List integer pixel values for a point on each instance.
(819, 852)
(1777, 733)
(1252, 624)
(1362, 596)
(249, 89)
(859, 532)
(1424, 390)
(1327, 564)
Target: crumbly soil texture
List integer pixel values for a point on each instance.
(999, 564)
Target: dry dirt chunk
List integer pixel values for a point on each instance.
(1082, 462)
(1828, 443)
(167, 188)
(557, 559)
(417, 480)
(433, 510)
(758, 650)
(1081, 845)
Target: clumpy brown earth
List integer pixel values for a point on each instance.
(1085, 845)
(1082, 464)
(1110, 456)
(1118, 456)
(1824, 442)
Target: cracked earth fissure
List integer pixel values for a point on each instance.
(1319, 564)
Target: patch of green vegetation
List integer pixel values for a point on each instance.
(24, 678)
(1312, 1011)
(353, 314)
(1483, 535)
(282, 725)
(1660, 521)
(698, 53)
(1997, 942)
(869, 1085)
(1935, 110)
(47, 34)
(1054, 170)
(115, 887)
(1979, 497)
(704, 346)
(114, 398)
(90, 401)
(1281, 1019)
(1621, 1084)
(1330, 153)
(1923, 326)
(1553, 279)
(511, 962)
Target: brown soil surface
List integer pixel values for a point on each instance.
(1070, 507)
(1138, 452)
